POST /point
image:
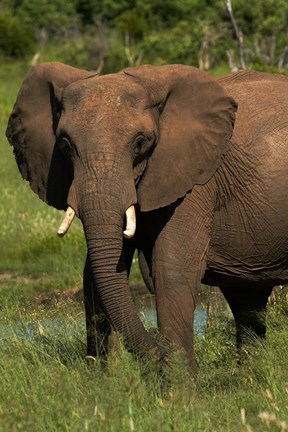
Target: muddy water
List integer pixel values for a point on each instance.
(28, 330)
(147, 311)
(210, 305)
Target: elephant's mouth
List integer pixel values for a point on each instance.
(128, 232)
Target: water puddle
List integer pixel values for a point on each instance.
(60, 325)
(147, 312)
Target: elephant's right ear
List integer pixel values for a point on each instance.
(31, 131)
(196, 119)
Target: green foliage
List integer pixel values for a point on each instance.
(131, 32)
(52, 18)
(16, 39)
(264, 25)
(132, 22)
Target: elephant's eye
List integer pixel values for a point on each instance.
(139, 143)
(142, 144)
(65, 146)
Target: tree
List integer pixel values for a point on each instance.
(16, 39)
(49, 20)
(265, 27)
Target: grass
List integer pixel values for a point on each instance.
(45, 384)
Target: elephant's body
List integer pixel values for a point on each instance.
(248, 195)
(242, 246)
(249, 240)
(212, 200)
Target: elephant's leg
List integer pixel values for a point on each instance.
(178, 265)
(175, 303)
(144, 258)
(248, 305)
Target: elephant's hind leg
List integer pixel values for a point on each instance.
(248, 305)
(144, 259)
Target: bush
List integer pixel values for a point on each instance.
(16, 39)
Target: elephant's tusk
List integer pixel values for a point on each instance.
(130, 222)
(65, 225)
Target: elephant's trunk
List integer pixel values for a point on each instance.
(102, 216)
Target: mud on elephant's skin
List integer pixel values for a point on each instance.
(209, 184)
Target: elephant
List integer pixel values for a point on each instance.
(187, 168)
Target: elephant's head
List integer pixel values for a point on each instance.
(100, 144)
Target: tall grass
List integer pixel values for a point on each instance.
(45, 384)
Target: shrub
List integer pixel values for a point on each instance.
(16, 39)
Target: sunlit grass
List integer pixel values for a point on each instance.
(45, 380)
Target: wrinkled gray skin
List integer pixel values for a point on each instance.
(210, 191)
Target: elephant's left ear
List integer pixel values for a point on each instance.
(32, 127)
(196, 121)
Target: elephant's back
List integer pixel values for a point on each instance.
(262, 100)
(261, 125)
(255, 86)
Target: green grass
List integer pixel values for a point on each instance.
(45, 384)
